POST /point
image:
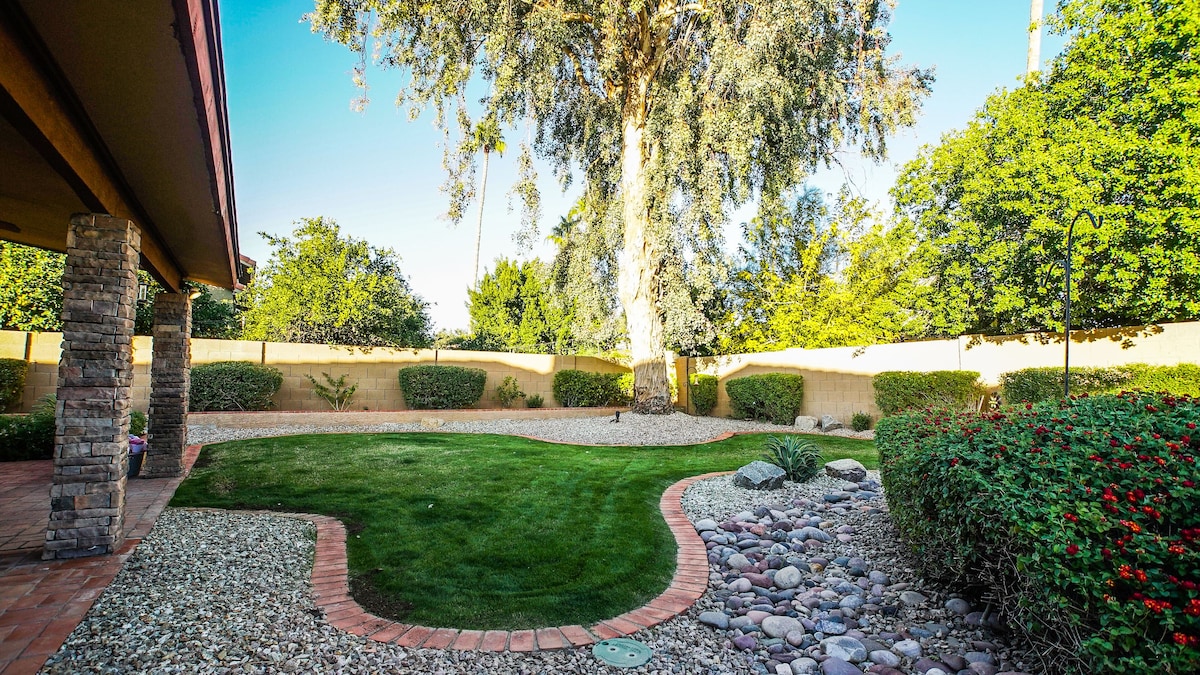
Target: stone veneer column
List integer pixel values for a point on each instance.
(169, 380)
(95, 378)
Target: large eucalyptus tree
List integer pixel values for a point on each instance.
(671, 110)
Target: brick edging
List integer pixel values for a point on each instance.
(331, 591)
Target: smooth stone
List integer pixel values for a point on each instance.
(745, 642)
(912, 598)
(871, 645)
(706, 525)
(846, 469)
(740, 622)
(783, 669)
(780, 626)
(759, 475)
(909, 648)
(738, 561)
(980, 657)
(958, 606)
(789, 577)
(795, 638)
(836, 666)
(715, 619)
(760, 580)
(757, 616)
(804, 665)
(740, 585)
(851, 602)
(955, 662)
(812, 533)
(974, 619)
(830, 627)
(844, 648)
(805, 423)
(884, 658)
(981, 668)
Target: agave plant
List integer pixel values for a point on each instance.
(799, 459)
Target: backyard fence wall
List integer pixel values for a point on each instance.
(375, 370)
(836, 381)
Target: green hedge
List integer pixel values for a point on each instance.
(12, 381)
(441, 387)
(233, 385)
(901, 390)
(29, 436)
(1043, 384)
(772, 396)
(583, 389)
(704, 392)
(1082, 517)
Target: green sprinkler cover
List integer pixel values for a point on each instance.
(622, 652)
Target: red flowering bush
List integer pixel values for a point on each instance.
(1082, 516)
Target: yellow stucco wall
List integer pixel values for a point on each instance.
(836, 381)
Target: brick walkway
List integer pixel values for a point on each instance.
(332, 593)
(41, 602)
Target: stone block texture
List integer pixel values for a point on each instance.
(95, 378)
(169, 382)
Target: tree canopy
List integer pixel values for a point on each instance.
(513, 309)
(1112, 128)
(321, 287)
(672, 111)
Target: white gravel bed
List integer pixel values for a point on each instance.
(633, 429)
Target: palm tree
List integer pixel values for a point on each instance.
(486, 138)
(1033, 58)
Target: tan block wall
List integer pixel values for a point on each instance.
(838, 381)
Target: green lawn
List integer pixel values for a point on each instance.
(482, 531)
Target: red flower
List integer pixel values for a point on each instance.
(1071, 517)
(1072, 549)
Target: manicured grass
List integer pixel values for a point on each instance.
(482, 531)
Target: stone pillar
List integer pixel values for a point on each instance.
(169, 381)
(95, 378)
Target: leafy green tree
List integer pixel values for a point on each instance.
(321, 287)
(1112, 128)
(584, 279)
(671, 110)
(513, 309)
(818, 276)
(31, 292)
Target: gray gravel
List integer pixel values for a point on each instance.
(633, 429)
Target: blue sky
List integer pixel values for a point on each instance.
(299, 150)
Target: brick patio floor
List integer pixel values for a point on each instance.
(41, 602)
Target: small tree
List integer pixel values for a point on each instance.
(321, 287)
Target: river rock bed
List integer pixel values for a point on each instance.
(811, 579)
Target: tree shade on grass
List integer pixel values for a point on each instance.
(482, 531)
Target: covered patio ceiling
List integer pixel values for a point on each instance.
(117, 107)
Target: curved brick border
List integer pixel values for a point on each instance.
(331, 590)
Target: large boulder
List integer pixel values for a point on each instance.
(829, 423)
(846, 469)
(759, 475)
(805, 423)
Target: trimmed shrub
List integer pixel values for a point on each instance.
(534, 401)
(772, 396)
(1043, 384)
(860, 422)
(704, 392)
(583, 389)
(29, 436)
(799, 459)
(12, 381)
(441, 387)
(902, 390)
(1081, 516)
(233, 385)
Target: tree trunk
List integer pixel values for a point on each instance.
(636, 281)
(1033, 58)
(479, 224)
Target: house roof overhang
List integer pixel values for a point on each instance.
(118, 107)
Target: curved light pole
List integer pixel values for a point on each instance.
(1067, 313)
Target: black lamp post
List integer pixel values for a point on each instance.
(1067, 313)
